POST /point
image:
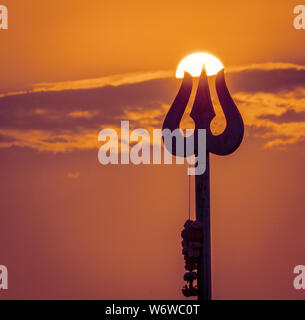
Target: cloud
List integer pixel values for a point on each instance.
(271, 81)
(113, 80)
(269, 66)
(279, 116)
(286, 117)
(138, 77)
(73, 175)
(81, 114)
(66, 116)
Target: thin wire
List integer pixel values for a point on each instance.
(189, 197)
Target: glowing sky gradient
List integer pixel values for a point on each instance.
(72, 228)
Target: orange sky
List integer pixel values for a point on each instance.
(72, 39)
(76, 229)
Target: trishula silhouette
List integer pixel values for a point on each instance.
(223, 144)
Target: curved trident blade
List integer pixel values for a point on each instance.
(203, 113)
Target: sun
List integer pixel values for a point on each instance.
(194, 63)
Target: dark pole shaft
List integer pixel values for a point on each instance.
(203, 215)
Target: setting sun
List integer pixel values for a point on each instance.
(194, 63)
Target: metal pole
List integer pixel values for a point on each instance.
(203, 215)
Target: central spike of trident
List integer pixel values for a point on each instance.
(223, 144)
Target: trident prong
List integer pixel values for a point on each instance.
(203, 114)
(223, 144)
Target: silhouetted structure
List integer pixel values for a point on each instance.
(224, 144)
